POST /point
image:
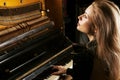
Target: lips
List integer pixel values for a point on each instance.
(78, 24)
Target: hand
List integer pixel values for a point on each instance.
(60, 70)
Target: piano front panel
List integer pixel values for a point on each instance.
(43, 53)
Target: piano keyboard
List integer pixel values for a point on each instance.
(56, 77)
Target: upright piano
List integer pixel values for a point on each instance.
(32, 39)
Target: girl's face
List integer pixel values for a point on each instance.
(84, 22)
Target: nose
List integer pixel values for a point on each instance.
(80, 17)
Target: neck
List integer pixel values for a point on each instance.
(91, 37)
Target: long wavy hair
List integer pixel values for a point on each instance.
(106, 19)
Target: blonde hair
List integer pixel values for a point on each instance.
(106, 19)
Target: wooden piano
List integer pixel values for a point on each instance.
(32, 39)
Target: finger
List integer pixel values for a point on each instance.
(55, 67)
(56, 73)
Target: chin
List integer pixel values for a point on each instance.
(78, 28)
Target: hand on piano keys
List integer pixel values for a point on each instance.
(56, 76)
(59, 70)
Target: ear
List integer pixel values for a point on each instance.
(95, 30)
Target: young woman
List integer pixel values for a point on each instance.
(100, 58)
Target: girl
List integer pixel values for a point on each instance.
(100, 58)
